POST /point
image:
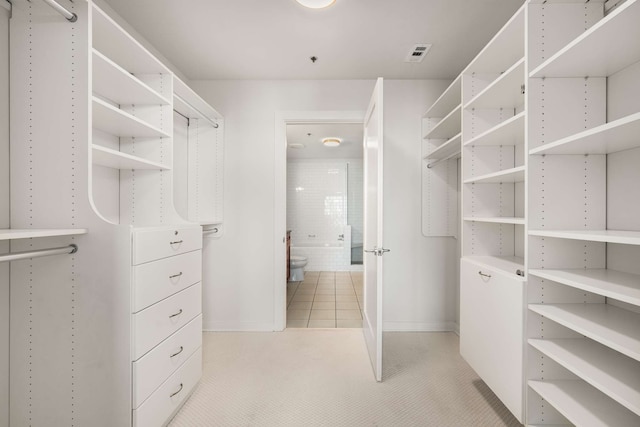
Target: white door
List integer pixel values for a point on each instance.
(374, 250)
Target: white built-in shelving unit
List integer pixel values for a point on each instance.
(441, 147)
(583, 321)
(15, 234)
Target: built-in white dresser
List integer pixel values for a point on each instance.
(166, 321)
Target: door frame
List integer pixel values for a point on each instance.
(282, 119)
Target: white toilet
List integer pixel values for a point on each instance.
(296, 268)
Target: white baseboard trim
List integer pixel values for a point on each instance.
(224, 326)
(419, 327)
(456, 328)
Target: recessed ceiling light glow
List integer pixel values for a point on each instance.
(316, 4)
(331, 142)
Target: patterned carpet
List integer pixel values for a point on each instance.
(318, 377)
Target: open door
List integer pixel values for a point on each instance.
(373, 247)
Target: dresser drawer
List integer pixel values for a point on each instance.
(150, 245)
(154, 324)
(492, 330)
(160, 407)
(156, 366)
(154, 281)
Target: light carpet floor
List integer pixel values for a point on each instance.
(322, 377)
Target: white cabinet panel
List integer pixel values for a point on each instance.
(153, 244)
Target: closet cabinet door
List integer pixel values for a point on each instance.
(491, 330)
(150, 245)
(154, 281)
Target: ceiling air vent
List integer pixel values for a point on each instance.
(418, 52)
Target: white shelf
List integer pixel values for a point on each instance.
(504, 92)
(112, 120)
(609, 46)
(115, 159)
(609, 283)
(609, 325)
(449, 99)
(113, 41)
(615, 375)
(15, 233)
(619, 135)
(583, 405)
(497, 220)
(509, 132)
(115, 83)
(189, 103)
(506, 264)
(447, 150)
(447, 127)
(505, 176)
(505, 48)
(607, 236)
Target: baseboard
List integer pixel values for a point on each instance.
(456, 328)
(419, 327)
(228, 326)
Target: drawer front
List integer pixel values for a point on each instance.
(150, 245)
(492, 331)
(154, 324)
(155, 281)
(160, 407)
(158, 365)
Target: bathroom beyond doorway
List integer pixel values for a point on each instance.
(326, 299)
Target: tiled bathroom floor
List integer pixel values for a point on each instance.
(325, 299)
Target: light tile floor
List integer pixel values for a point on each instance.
(325, 299)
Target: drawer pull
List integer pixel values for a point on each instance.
(176, 314)
(177, 242)
(179, 351)
(179, 390)
(175, 275)
(488, 276)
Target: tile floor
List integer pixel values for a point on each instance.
(325, 299)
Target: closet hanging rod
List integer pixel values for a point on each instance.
(432, 164)
(214, 124)
(70, 16)
(15, 256)
(213, 230)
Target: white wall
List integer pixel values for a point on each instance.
(4, 215)
(419, 273)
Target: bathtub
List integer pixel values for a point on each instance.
(324, 254)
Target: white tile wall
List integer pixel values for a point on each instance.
(355, 212)
(318, 210)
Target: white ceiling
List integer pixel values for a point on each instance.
(353, 39)
(350, 148)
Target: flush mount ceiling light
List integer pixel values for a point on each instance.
(316, 4)
(331, 142)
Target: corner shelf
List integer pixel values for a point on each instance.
(446, 102)
(616, 375)
(505, 91)
(505, 176)
(114, 42)
(117, 160)
(609, 283)
(17, 233)
(618, 135)
(447, 127)
(610, 45)
(583, 405)
(607, 324)
(509, 132)
(506, 264)
(497, 220)
(112, 120)
(606, 236)
(447, 150)
(115, 83)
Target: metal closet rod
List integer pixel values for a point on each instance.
(70, 16)
(16, 256)
(432, 164)
(214, 124)
(209, 231)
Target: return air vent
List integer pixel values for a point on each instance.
(418, 52)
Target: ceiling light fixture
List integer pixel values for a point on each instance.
(316, 4)
(331, 142)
